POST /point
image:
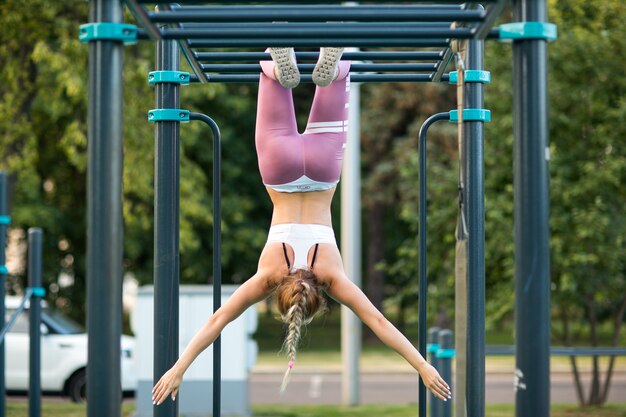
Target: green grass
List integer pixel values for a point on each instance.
(408, 410)
(612, 410)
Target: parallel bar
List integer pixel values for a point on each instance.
(531, 214)
(217, 252)
(35, 252)
(256, 68)
(291, 26)
(166, 225)
(357, 78)
(422, 277)
(104, 217)
(354, 56)
(315, 43)
(316, 7)
(353, 14)
(344, 30)
(3, 277)
(316, 1)
(475, 204)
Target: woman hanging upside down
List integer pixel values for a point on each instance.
(300, 261)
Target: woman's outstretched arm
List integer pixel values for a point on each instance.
(349, 294)
(253, 290)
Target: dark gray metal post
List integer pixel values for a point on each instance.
(217, 253)
(421, 338)
(166, 224)
(432, 348)
(444, 361)
(104, 217)
(35, 244)
(4, 215)
(531, 213)
(473, 132)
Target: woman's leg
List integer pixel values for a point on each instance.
(275, 110)
(330, 104)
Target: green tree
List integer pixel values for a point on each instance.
(43, 146)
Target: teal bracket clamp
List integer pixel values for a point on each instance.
(471, 76)
(37, 291)
(4, 219)
(445, 353)
(510, 32)
(108, 31)
(4, 270)
(168, 115)
(432, 347)
(471, 115)
(174, 77)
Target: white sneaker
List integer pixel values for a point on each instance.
(286, 69)
(326, 70)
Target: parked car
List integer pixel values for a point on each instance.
(63, 354)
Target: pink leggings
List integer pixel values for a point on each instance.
(286, 155)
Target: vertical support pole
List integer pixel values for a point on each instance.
(422, 331)
(217, 266)
(166, 227)
(473, 132)
(4, 215)
(35, 242)
(351, 250)
(104, 217)
(531, 213)
(444, 361)
(432, 348)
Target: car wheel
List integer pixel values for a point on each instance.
(77, 386)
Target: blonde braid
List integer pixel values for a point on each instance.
(294, 318)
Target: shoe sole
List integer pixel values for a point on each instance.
(326, 68)
(287, 73)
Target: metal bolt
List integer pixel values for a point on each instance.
(151, 77)
(182, 115)
(151, 115)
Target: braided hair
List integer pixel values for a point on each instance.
(300, 298)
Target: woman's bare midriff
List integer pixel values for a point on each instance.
(303, 208)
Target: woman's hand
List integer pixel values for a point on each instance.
(435, 382)
(169, 383)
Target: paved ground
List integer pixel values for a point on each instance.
(324, 388)
(392, 388)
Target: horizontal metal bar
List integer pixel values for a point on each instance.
(313, 56)
(343, 30)
(313, 43)
(315, 25)
(356, 67)
(316, 7)
(315, 1)
(359, 78)
(321, 14)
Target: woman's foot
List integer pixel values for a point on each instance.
(326, 69)
(286, 68)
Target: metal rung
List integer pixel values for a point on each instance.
(313, 56)
(248, 68)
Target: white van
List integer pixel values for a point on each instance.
(63, 354)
